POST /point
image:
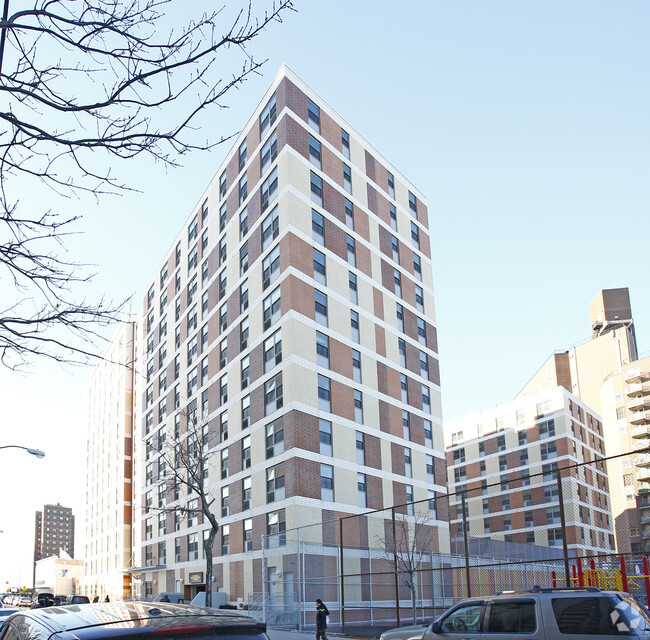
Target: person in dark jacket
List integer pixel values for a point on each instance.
(321, 620)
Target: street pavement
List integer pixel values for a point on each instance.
(286, 634)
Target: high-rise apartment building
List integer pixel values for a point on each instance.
(506, 460)
(294, 317)
(606, 373)
(53, 532)
(109, 471)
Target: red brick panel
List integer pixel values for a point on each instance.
(299, 296)
(374, 492)
(342, 400)
(330, 130)
(332, 166)
(372, 198)
(370, 166)
(295, 135)
(301, 431)
(373, 451)
(385, 242)
(380, 340)
(340, 358)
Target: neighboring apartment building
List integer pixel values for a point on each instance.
(606, 374)
(294, 316)
(495, 455)
(53, 532)
(108, 471)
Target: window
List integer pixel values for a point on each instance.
(401, 347)
(404, 388)
(361, 489)
(397, 279)
(272, 308)
(193, 546)
(547, 429)
(352, 257)
(325, 437)
(204, 305)
(224, 463)
(345, 144)
(223, 250)
(223, 318)
(243, 189)
(275, 528)
(222, 185)
(224, 501)
(361, 448)
(349, 214)
(243, 259)
(415, 235)
(424, 365)
(313, 115)
(270, 228)
(406, 425)
(548, 450)
(271, 268)
(354, 326)
(352, 282)
(274, 484)
(419, 298)
(320, 274)
(316, 189)
(223, 283)
(273, 394)
(523, 457)
(417, 266)
(192, 230)
(245, 371)
(318, 227)
(242, 155)
(503, 463)
(410, 507)
(358, 407)
(314, 152)
(269, 189)
(356, 365)
(245, 412)
(223, 389)
(223, 353)
(274, 438)
(267, 117)
(347, 178)
(393, 217)
(177, 282)
(320, 303)
(426, 399)
(273, 351)
(408, 465)
(430, 469)
(243, 334)
(322, 350)
(391, 185)
(164, 273)
(269, 151)
(554, 537)
(422, 332)
(243, 223)
(223, 426)
(413, 205)
(324, 393)
(192, 384)
(223, 213)
(428, 435)
(243, 296)
(246, 452)
(327, 482)
(225, 539)
(395, 249)
(246, 493)
(400, 316)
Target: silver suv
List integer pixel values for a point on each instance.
(541, 614)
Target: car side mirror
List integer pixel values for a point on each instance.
(436, 627)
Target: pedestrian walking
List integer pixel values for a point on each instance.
(322, 613)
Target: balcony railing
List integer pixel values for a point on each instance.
(633, 374)
(635, 389)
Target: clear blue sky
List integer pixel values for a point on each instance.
(524, 123)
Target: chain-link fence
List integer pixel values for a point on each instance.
(408, 563)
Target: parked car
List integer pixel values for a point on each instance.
(59, 600)
(43, 600)
(549, 614)
(5, 612)
(77, 599)
(130, 621)
(24, 601)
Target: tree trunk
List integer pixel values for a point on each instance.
(413, 602)
(208, 566)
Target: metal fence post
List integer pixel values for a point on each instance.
(465, 536)
(565, 547)
(342, 580)
(395, 563)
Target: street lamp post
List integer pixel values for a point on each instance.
(35, 452)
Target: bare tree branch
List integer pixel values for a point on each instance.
(81, 82)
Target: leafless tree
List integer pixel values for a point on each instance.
(187, 460)
(406, 546)
(84, 83)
